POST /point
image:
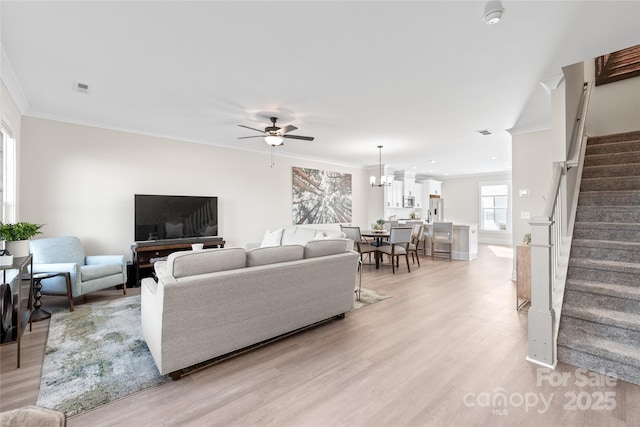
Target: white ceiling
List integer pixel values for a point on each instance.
(418, 77)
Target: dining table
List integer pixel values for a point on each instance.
(379, 235)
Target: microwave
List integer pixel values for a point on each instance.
(409, 202)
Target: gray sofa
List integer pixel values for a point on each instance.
(213, 302)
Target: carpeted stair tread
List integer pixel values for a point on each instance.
(626, 267)
(606, 244)
(604, 316)
(615, 183)
(612, 158)
(610, 289)
(615, 137)
(627, 169)
(610, 198)
(616, 231)
(628, 251)
(613, 147)
(619, 214)
(603, 347)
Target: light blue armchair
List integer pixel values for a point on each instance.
(86, 273)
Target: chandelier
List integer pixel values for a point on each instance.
(384, 181)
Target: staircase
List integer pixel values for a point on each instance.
(600, 321)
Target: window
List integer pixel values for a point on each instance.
(8, 169)
(495, 202)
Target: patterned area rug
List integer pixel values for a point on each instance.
(95, 355)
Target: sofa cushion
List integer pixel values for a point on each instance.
(272, 238)
(324, 247)
(272, 255)
(97, 271)
(191, 263)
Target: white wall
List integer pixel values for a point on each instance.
(614, 107)
(462, 204)
(80, 180)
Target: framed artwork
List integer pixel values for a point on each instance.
(321, 197)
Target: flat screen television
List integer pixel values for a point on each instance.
(162, 217)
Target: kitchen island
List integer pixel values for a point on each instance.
(465, 240)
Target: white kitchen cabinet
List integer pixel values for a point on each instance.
(397, 189)
(432, 186)
(419, 198)
(409, 187)
(388, 196)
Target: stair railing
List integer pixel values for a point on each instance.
(548, 232)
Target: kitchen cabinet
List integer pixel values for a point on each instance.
(409, 187)
(432, 187)
(419, 198)
(397, 189)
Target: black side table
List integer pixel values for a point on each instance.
(39, 313)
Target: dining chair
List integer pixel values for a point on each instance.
(361, 245)
(442, 235)
(399, 240)
(390, 224)
(416, 238)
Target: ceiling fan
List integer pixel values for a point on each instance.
(274, 135)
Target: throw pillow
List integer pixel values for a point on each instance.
(271, 238)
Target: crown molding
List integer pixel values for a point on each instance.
(11, 82)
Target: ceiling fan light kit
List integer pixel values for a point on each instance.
(274, 140)
(274, 135)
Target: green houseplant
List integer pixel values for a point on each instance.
(19, 231)
(17, 235)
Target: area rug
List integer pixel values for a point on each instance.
(368, 297)
(95, 355)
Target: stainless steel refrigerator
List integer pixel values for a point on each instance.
(436, 210)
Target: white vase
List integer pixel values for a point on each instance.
(19, 248)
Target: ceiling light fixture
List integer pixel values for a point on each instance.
(384, 181)
(274, 140)
(493, 12)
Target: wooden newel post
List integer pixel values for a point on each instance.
(542, 346)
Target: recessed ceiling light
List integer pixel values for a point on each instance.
(492, 157)
(484, 132)
(432, 161)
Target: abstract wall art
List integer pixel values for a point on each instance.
(321, 197)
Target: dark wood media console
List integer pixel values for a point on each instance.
(146, 253)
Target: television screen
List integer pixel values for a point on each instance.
(159, 217)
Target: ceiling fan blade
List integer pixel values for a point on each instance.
(305, 138)
(247, 127)
(288, 128)
(245, 137)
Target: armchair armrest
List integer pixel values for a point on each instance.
(105, 259)
(62, 267)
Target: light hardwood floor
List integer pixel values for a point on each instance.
(442, 351)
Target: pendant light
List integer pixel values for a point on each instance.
(384, 181)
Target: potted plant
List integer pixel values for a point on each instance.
(17, 235)
(379, 225)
